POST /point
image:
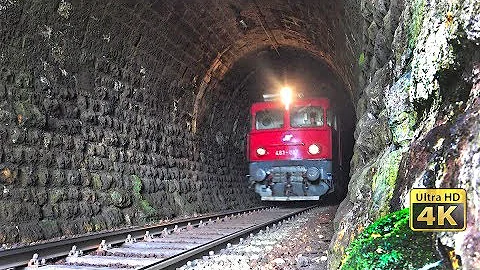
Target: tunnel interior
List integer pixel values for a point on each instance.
(266, 71)
(120, 112)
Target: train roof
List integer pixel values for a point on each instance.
(257, 106)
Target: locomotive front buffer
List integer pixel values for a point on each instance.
(298, 180)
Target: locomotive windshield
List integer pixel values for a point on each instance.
(306, 116)
(269, 119)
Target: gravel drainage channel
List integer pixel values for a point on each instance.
(299, 243)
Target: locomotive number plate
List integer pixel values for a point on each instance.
(286, 152)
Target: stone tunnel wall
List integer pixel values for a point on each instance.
(95, 112)
(418, 121)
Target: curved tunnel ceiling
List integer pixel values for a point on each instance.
(211, 36)
(315, 27)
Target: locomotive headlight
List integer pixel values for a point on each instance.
(313, 149)
(286, 95)
(261, 151)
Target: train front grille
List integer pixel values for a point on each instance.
(279, 174)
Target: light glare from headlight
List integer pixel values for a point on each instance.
(286, 95)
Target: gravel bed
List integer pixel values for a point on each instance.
(301, 243)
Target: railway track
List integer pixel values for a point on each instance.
(165, 246)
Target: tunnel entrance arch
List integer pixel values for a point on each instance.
(224, 109)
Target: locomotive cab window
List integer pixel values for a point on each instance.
(331, 121)
(306, 116)
(269, 119)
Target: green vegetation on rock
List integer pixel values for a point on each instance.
(361, 60)
(389, 243)
(147, 208)
(137, 186)
(418, 13)
(142, 204)
(116, 197)
(119, 198)
(383, 182)
(403, 127)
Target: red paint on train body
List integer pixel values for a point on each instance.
(291, 140)
(293, 151)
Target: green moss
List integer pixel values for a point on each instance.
(361, 60)
(141, 203)
(136, 186)
(403, 127)
(384, 181)
(389, 243)
(116, 197)
(418, 13)
(147, 208)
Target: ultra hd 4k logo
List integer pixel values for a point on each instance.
(438, 209)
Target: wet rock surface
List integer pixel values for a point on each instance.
(301, 243)
(426, 94)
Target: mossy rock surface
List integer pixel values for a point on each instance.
(142, 204)
(120, 199)
(29, 115)
(389, 243)
(418, 14)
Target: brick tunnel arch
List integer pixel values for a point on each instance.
(99, 99)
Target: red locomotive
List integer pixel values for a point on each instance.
(293, 148)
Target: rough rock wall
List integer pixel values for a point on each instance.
(418, 115)
(95, 111)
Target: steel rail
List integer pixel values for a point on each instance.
(18, 257)
(189, 255)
